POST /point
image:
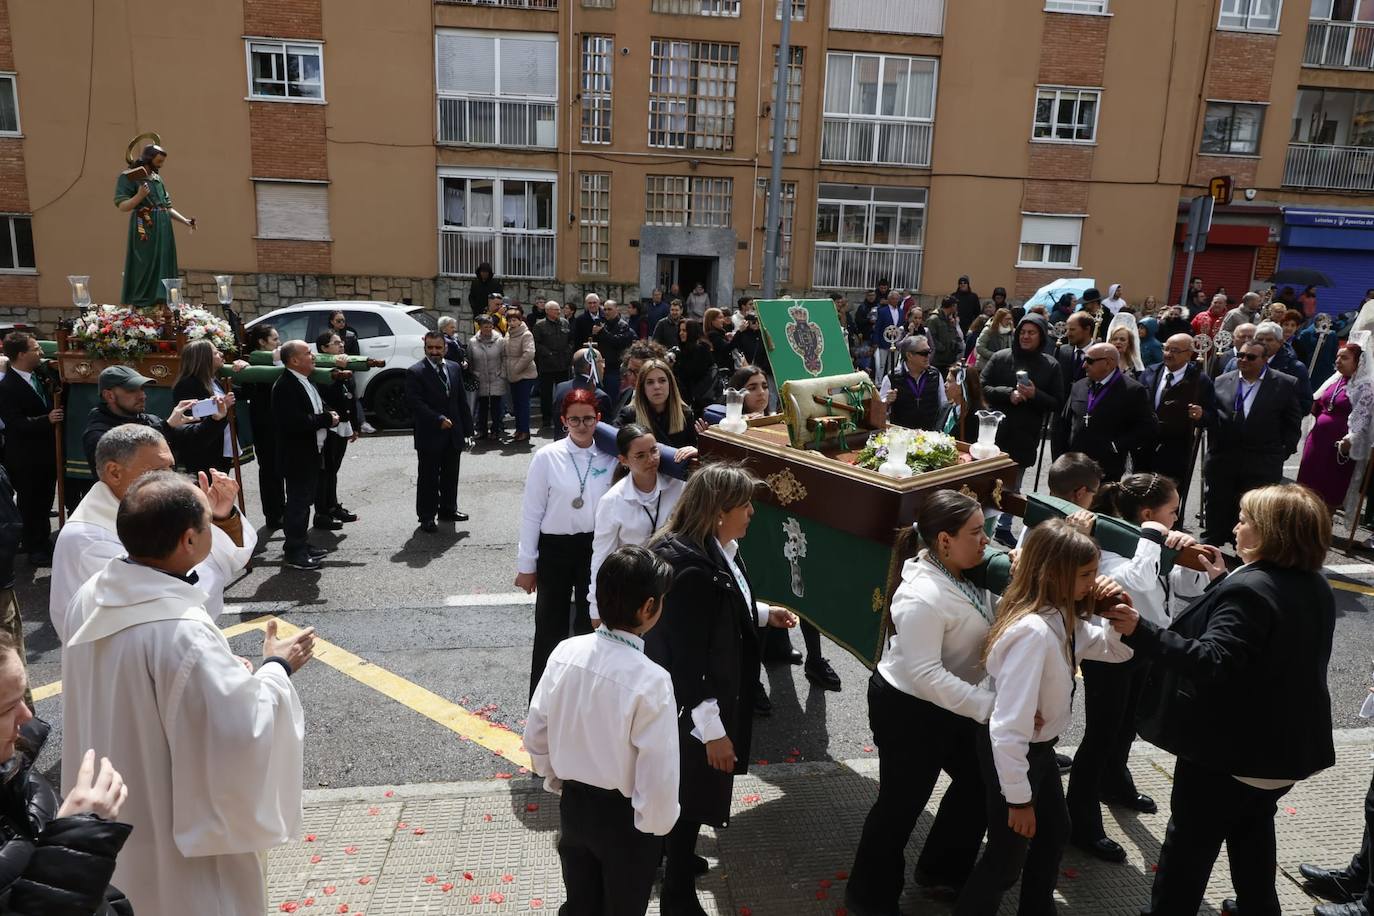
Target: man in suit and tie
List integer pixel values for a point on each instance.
(434, 391)
(583, 361)
(1258, 424)
(888, 315)
(29, 417)
(1078, 336)
(1183, 399)
(302, 421)
(1108, 412)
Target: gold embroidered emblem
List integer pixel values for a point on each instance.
(786, 487)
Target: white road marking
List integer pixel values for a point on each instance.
(495, 599)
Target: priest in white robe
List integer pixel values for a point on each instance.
(88, 541)
(212, 753)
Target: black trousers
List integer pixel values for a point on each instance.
(916, 740)
(777, 644)
(679, 867)
(1169, 459)
(1209, 808)
(1229, 476)
(35, 486)
(490, 415)
(564, 572)
(302, 484)
(1110, 694)
(1008, 855)
(548, 410)
(436, 484)
(608, 865)
(270, 482)
(1359, 870)
(331, 459)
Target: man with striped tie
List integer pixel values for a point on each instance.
(443, 423)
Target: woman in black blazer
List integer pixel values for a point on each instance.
(708, 639)
(1237, 692)
(200, 365)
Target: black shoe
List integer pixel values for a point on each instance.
(1353, 908)
(303, 561)
(1229, 908)
(935, 885)
(1064, 762)
(453, 516)
(680, 904)
(1106, 849)
(40, 558)
(790, 657)
(272, 521)
(317, 552)
(700, 865)
(1005, 538)
(327, 523)
(822, 675)
(858, 907)
(1335, 885)
(762, 705)
(429, 527)
(1138, 802)
(342, 514)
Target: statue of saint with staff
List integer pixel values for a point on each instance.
(151, 254)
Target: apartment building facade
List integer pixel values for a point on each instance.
(364, 150)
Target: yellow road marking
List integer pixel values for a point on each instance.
(1352, 587)
(455, 718)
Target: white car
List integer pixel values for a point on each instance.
(390, 331)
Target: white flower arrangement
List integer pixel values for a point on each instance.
(116, 332)
(929, 451)
(199, 324)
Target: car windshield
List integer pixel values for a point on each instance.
(425, 318)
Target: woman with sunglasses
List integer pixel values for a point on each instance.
(563, 487)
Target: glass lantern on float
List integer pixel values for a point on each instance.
(734, 412)
(81, 292)
(173, 287)
(986, 446)
(898, 446)
(224, 285)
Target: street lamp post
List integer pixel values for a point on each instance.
(771, 233)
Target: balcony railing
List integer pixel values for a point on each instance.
(511, 254)
(509, 4)
(876, 141)
(1342, 45)
(497, 122)
(843, 267)
(1338, 168)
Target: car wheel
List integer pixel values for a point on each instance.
(388, 403)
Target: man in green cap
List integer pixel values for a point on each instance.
(123, 400)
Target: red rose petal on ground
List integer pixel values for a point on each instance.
(389, 793)
(350, 850)
(745, 911)
(1290, 810)
(536, 903)
(330, 890)
(373, 811)
(402, 825)
(868, 749)
(531, 807)
(309, 901)
(467, 876)
(750, 799)
(496, 897)
(1154, 867)
(794, 752)
(431, 879)
(507, 879)
(1070, 873)
(791, 760)
(841, 912)
(310, 837)
(503, 776)
(825, 882)
(487, 818)
(315, 860)
(762, 763)
(289, 907)
(418, 831)
(523, 771)
(364, 880)
(475, 898)
(822, 894)
(841, 876)
(343, 908)
(447, 886)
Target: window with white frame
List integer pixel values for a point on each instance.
(798, 10)
(16, 244)
(594, 223)
(697, 7)
(866, 234)
(1076, 6)
(497, 90)
(1250, 15)
(289, 71)
(681, 200)
(787, 201)
(598, 52)
(1066, 114)
(879, 109)
(1232, 128)
(692, 94)
(9, 104)
(1049, 241)
(293, 210)
(791, 125)
(505, 218)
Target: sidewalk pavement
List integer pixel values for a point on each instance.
(489, 847)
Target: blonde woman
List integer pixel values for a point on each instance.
(1124, 334)
(1042, 631)
(657, 405)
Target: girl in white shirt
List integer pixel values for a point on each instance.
(1111, 692)
(636, 506)
(565, 481)
(925, 706)
(1043, 629)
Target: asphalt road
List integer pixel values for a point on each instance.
(440, 612)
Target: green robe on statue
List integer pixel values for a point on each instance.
(152, 249)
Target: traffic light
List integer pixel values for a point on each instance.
(1221, 188)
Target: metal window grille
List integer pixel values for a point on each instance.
(1066, 114)
(1249, 15)
(864, 234)
(680, 200)
(879, 109)
(497, 91)
(507, 221)
(16, 243)
(792, 122)
(697, 7)
(510, 4)
(285, 70)
(1076, 6)
(798, 10)
(1231, 128)
(787, 213)
(597, 56)
(598, 4)
(692, 94)
(594, 218)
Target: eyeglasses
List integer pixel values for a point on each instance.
(580, 421)
(920, 352)
(1248, 357)
(1089, 360)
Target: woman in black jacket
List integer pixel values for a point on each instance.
(695, 366)
(657, 405)
(708, 639)
(200, 365)
(341, 397)
(338, 323)
(1237, 691)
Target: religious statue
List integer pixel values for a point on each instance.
(152, 250)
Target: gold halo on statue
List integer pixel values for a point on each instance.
(134, 144)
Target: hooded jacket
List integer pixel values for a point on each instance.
(484, 283)
(1151, 347)
(1019, 434)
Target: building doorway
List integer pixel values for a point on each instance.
(687, 272)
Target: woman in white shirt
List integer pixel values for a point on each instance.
(1042, 631)
(563, 486)
(636, 505)
(925, 706)
(1111, 692)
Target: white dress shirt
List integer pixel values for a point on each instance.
(1175, 377)
(935, 653)
(627, 515)
(604, 715)
(1031, 673)
(706, 714)
(316, 405)
(1139, 576)
(551, 485)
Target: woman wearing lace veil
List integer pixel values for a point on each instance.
(1124, 334)
(1337, 449)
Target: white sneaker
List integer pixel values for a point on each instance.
(368, 428)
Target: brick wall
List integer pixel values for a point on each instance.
(1039, 196)
(283, 255)
(1073, 49)
(14, 185)
(288, 140)
(18, 290)
(1241, 168)
(283, 18)
(6, 38)
(1060, 160)
(1241, 67)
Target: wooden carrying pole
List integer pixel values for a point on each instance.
(234, 445)
(59, 431)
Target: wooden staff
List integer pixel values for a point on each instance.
(57, 390)
(1359, 505)
(234, 444)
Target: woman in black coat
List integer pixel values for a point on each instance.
(708, 639)
(200, 365)
(341, 397)
(695, 366)
(1237, 691)
(338, 323)
(271, 486)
